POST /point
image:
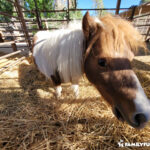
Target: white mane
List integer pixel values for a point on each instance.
(60, 50)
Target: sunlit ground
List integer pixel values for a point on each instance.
(31, 117)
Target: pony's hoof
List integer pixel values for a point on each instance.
(58, 92)
(76, 95)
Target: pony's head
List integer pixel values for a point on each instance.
(110, 45)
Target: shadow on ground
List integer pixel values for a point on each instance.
(32, 118)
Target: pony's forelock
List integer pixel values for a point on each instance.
(120, 35)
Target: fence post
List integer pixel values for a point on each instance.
(148, 31)
(38, 18)
(68, 15)
(133, 12)
(75, 4)
(21, 17)
(118, 7)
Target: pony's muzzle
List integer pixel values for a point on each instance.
(140, 119)
(137, 120)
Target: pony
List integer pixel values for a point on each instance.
(1, 37)
(103, 49)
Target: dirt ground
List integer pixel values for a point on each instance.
(32, 118)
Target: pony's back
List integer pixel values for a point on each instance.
(60, 51)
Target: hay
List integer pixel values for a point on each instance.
(32, 118)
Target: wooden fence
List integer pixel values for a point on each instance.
(20, 29)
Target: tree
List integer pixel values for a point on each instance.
(144, 1)
(62, 4)
(51, 5)
(42, 5)
(5, 6)
(47, 5)
(99, 4)
(75, 14)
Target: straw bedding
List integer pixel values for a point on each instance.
(31, 117)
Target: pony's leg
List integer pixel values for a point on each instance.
(57, 82)
(75, 88)
(58, 91)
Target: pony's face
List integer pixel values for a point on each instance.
(108, 67)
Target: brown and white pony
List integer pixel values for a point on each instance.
(102, 49)
(1, 37)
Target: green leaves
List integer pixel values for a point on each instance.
(7, 7)
(144, 1)
(41, 5)
(99, 4)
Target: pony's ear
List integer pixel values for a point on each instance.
(90, 25)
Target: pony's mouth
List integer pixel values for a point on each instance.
(118, 114)
(135, 124)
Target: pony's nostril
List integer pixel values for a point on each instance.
(140, 119)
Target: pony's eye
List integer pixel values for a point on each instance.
(102, 62)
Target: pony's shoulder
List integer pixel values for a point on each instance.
(41, 35)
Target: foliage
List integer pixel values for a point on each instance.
(5, 6)
(144, 1)
(41, 5)
(76, 15)
(99, 4)
(49, 5)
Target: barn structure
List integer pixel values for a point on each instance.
(30, 115)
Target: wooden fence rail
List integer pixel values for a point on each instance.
(139, 15)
